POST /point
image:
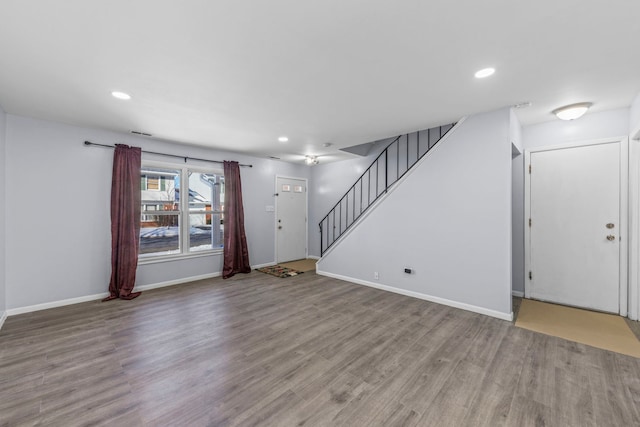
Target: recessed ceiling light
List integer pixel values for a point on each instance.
(120, 95)
(283, 139)
(573, 111)
(485, 72)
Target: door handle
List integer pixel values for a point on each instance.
(611, 237)
(279, 227)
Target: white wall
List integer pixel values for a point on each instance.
(590, 126)
(57, 198)
(3, 293)
(450, 221)
(634, 115)
(515, 132)
(517, 206)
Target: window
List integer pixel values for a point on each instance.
(150, 182)
(171, 225)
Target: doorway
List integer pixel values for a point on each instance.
(575, 225)
(291, 219)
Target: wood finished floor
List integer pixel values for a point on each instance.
(306, 350)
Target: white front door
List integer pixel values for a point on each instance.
(575, 226)
(291, 219)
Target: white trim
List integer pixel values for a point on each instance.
(54, 304)
(624, 287)
(70, 301)
(183, 213)
(437, 300)
(518, 294)
(313, 257)
(3, 318)
(395, 185)
(634, 226)
(527, 230)
(142, 260)
(575, 144)
(187, 279)
(268, 264)
(176, 281)
(624, 228)
(306, 214)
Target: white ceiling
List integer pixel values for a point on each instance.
(237, 74)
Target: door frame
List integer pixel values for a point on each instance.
(306, 214)
(624, 290)
(634, 224)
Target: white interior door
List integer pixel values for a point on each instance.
(575, 226)
(291, 219)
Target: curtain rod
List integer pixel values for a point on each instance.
(89, 143)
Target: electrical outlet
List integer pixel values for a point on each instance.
(376, 275)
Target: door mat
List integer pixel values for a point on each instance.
(301, 264)
(280, 271)
(605, 331)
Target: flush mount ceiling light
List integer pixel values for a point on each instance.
(573, 111)
(485, 72)
(311, 160)
(283, 139)
(120, 95)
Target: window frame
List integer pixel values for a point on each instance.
(182, 213)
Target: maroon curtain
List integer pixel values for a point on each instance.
(125, 221)
(236, 253)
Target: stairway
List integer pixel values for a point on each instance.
(390, 165)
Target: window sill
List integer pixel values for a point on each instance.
(177, 257)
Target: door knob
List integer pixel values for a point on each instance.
(279, 227)
(610, 225)
(611, 237)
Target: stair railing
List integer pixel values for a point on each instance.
(404, 151)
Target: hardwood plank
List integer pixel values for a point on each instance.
(612, 399)
(538, 376)
(574, 398)
(451, 403)
(526, 412)
(308, 350)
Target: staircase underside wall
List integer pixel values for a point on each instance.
(449, 221)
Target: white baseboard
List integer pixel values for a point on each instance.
(269, 264)
(54, 304)
(438, 300)
(192, 279)
(3, 318)
(518, 294)
(176, 281)
(313, 257)
(61, 303)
